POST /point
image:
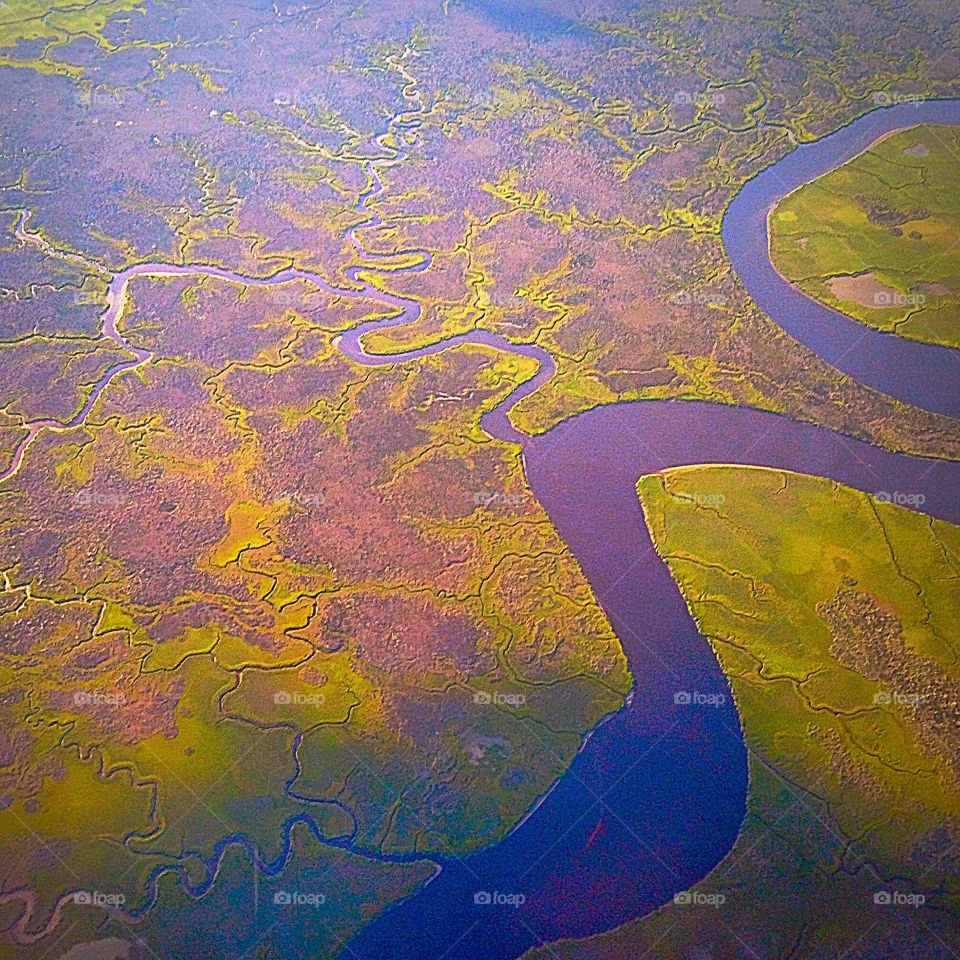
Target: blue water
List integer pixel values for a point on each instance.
(665, 782)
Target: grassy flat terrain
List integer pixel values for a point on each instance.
(879, 237)
(833, 616)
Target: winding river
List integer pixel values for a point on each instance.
(656, 795)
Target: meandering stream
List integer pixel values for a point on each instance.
(656, 795)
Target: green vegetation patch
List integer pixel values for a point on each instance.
(879, 237)
(48, 20)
